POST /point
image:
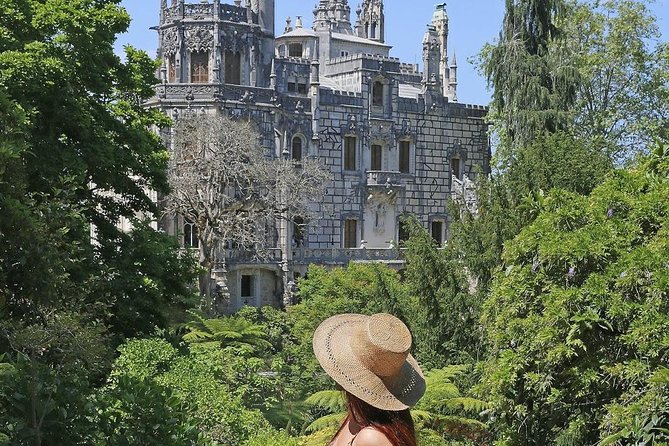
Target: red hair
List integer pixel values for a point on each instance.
(397, 426)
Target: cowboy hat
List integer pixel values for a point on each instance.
(369, 357)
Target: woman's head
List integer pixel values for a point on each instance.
(368, 356)
(397, 426)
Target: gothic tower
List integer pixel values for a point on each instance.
(265, 11)
(371, 20)
(440, 24)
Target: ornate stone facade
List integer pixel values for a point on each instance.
(394, 138)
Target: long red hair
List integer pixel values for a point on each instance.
(397, 426)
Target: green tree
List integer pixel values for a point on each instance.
(444, 315)
(577, 317)
(533, 88)
(622, 97)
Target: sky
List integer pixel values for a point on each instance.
(473, 23)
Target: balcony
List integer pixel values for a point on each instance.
(320, 256)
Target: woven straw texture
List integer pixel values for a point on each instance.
(369, 357)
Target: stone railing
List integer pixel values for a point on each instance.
(342, 256)
(227, 92)
(231, 13)
(385, 178)
(245, 256)
(199, 11)
(322, 256)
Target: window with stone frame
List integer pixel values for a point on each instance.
(233, 67)
(295, 50)
(437, 229)
(296, 151)
(302, 88)
(350, 151)
(377, 157)
(248, 286)
(404, 154)
(456, 167)
(172, 69)
(350, 233)
(377, 94)
(199, 67)
(191, 239)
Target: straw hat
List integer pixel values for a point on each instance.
(369, 357)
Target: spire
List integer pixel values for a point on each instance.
(371, 20)
(454, 62)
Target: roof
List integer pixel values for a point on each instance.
(409, 91)
(299, 32)
(356, 39)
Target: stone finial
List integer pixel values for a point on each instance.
(298, 22)
(288, 27)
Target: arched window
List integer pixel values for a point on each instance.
(456, 168)
(295, 50)
(377, 94)
(404, 152)
(297, 148)
(199, 68)
(190, 235)
(373, 36)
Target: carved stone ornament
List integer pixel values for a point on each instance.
(200, 39)
(170, 41)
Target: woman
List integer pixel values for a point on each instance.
(368, 356)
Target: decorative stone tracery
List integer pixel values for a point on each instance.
(170, 41)
(200, 39)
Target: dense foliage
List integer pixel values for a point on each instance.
(543, 321)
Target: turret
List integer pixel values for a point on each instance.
(440, 24)
(431, 59)
(266, 17)
(371, 20)
(453, 82)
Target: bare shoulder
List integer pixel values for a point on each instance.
(371, 437)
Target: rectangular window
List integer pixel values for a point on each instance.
(405, 156)
(292, 87)
(248, 286)
(377, 158)
(199, 68)
(351, 234)
(233, 67)
(302, 88)
(377, 94)
(403, 232)
(455, 168)
(350, 147)
(438, 232)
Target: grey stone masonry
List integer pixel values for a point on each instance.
(395, 139)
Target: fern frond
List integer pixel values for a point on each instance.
(326, 422)
(332, 400)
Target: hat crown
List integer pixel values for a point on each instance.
(383, 344)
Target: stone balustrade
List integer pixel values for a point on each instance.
(321, 256)
(385, 178)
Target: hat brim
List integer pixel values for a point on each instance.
(333, 348)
